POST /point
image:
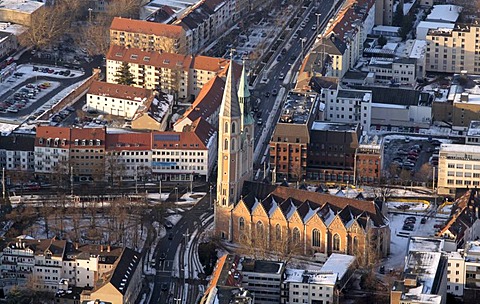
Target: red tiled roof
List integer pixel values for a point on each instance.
(128, 141)
(207, 101)
(52, 132)
(146, 27)
(119, 91)
(157, 59)
(88, 133)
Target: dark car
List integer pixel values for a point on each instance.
(164, 286)
(163, 256)
(423, 221)
(267, 94)
(168, 224)
(170, 236)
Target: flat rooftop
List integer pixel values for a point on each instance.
(338, 263)
(333, 126)
(425, 244)
(456, 148)
(25, 6)
(250, 265)
(298, 107)
(445, 13)
(474, 128)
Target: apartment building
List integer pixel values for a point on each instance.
(87, 153)
(454, 50)
(128, 156)
(16, 153)
(463, 224)
(350, 106)
(148, 36)
(331, 151)
(424, 278)
(263, 279)
(205, 21)
(400, 70)
(383, 12)
(180, 75)
(206, 105)
(369, 160)
(184, 155)
(52, 150)
(321, 286)
(473, 133)
(117, 99)
(291, 137)
(56, 264)
(458, 167)
(463, 266)
(466, 108)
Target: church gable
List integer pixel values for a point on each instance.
(241, 209)
(258, 210)
(337, 224)
(316, 221)
(278, 215)
(355, 227)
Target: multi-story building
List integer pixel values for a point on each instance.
(205, 21)
(16, 153)
(331, 151)
(383, 12)
(20, 13)
(291, 137)
(473, 134)
(49, 263)
(184, 155)
(454, 50)
(458, 167)
(321, 286)
(369, 160)
(400, 70)
(180, 75)
(466, 108)
(87, 153)
(122, 284)
(117, 99)
(464, 224)
(52, 150)
(148, 36)
(462, 273)
(206, 105)
(424, 278)
(263, 279)
(350, 106)
(128, 156)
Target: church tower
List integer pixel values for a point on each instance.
(235, 150)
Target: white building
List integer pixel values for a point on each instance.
(350, 106)
(118, 100)
(458, 167)
(463, 265)
(183, 155)
(16, 153)
(386, 71)
(52, 146)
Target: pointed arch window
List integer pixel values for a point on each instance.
(241, 224)
(316, 238)
(225, 145)
(355, 244)
(260, 229)
(336, 242)
(296, 236)
(225, 128)
(233, 144)
(233, 128)
(278, 232)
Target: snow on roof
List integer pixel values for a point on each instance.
(456, 148)
(435, 25)
(390, 46)
(418, 49)
(448, 13)
(473, 247)
(323, 279)
(424, 265)
(474, 128)
(338, 263)
(26, 6)
(294, 275)
(425, 244)
(386, 28)
(15, 29)
(6, 128)
(387, 105)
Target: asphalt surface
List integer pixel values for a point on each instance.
(284, 65)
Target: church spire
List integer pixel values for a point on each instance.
(244, 98)
(230, 106)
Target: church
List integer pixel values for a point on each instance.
(314, 223)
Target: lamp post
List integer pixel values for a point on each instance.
(318, 21)
(211, 198)
(303, 46)
(176, 193)
(90, 14)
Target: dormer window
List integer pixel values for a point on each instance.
(64, 142)
(84, 142)
(48, 142)
(90, 142)
(98, 142)
(40, 141)
(76, 142)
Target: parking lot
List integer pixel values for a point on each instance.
(404, 156)
(28, 92)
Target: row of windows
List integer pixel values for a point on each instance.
(462, 182)
(463, 166)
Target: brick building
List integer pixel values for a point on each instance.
(368, 160)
